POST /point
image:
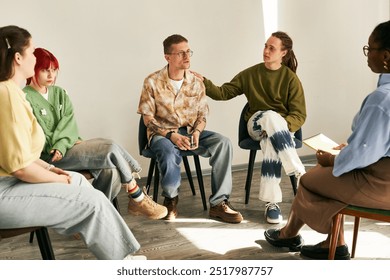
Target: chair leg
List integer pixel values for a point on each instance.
(251, 164)
(337, 220)
(150, 174)
(156, 182)
(200, 181)
(189, 175)
(45, 244)
(293, 180)
(355, 235)
(31, 237)
(116, 204)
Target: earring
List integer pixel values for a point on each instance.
(385, 65)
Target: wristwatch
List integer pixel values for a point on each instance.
(169, 134)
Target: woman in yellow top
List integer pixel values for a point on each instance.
(33, 192)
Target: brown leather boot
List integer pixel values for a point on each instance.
(226, 213)
(147, 207)
(171, 204)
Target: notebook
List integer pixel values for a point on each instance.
(322, 142)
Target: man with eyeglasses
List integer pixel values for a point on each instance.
(174, 108)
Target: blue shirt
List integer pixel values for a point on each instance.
(370, 138)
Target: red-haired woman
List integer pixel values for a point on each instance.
(103, 158)
(34, 193)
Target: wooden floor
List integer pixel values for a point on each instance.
(194, 236)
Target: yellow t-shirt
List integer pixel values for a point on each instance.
(21, 137)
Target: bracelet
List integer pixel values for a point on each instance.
(169, 134)
(198, 130)
(50, 167)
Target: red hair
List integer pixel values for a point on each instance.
(45, 60)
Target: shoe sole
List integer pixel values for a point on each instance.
(274, 221)
(290, 248)
(136, 213)
(323, 256)
(170, 217)
(296, 248)
(226, 221)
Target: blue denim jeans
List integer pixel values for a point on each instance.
(68, 209)
(101, 156)
(212, 145)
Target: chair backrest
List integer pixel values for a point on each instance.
(242, 126)
(142, 136)
(243, 130)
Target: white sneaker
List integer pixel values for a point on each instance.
(272, 213)
(135, 257)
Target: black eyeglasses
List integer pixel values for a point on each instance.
(367, 49)
(182, 54)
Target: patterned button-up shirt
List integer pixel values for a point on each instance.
(171, 110)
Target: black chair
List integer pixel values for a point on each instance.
(153, 166)
(247, 143)
(42, 237)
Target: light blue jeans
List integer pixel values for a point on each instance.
(215, 146)
(101, 157)
(68, 209)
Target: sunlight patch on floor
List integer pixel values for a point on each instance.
(366, 248)
(198, 220)
(214, 239)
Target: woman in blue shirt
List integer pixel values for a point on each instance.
(359, 175)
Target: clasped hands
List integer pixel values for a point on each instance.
(183, 142)
(56, 155)
(64, 177)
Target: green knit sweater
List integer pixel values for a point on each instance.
(56, 117)
(278, 90)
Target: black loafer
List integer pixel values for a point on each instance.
(294, 244)
(318, 253)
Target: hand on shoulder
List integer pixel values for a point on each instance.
(197, 75)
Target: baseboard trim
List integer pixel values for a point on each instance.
(307, 160)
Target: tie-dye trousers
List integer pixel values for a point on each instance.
(278, 148)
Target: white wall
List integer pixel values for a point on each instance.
(106, 48)
(329, 37)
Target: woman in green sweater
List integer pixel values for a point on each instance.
(276, 110)
(33, 192)
(103, 158)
